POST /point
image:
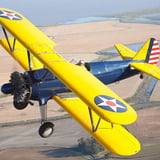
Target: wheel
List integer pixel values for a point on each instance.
(46, 129)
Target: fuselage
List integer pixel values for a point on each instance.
(45, 85)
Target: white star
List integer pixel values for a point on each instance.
(10, 15)
(110, 103)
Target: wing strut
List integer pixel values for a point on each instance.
(94, 128)
(29, 60)
(9, 44)
(12, 47)
(14, 43)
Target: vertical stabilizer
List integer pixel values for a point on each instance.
(149, 52)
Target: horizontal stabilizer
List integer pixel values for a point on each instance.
(125, 52)
(147, 68)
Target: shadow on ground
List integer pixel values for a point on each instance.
(61, 153)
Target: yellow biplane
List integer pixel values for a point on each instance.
(49, 76)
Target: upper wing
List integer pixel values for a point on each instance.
(94, 93)
(125, 52)
(22, 29)
(113, 137)
(15, 24)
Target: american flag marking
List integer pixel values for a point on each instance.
(155, 53)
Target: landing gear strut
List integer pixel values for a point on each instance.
(46, 129)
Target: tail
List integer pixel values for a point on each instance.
(147, 58)
(125, 52)
(149, 53)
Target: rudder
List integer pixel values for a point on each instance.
(153, 52)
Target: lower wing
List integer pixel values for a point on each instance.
(114, 138)
(21, 55)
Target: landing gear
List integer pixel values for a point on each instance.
(46, 129)
(141, 76)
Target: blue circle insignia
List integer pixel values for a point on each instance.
(110, 104)
(9, 15)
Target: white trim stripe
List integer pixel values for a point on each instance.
(154, 56)
(156, 51)
(155, 46)
(153, 61)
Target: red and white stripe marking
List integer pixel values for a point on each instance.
(155, 53)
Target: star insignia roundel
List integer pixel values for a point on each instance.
(110, 104)
(9, 15)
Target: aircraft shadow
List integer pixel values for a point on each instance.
(61, 153)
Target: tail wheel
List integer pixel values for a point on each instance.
(46, 129)
(22, 91)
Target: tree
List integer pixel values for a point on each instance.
(89, 146)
